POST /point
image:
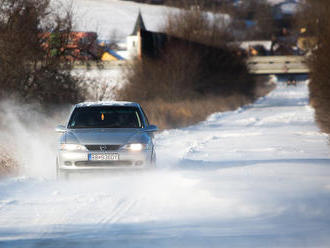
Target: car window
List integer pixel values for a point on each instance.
(106, 117)
(145, 117)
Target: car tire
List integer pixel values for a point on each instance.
(60, 174)
(153, 159)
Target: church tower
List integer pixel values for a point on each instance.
(134, 40)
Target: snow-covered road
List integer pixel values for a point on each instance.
(255, 177)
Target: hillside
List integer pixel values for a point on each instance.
(109, 16)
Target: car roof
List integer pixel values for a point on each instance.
(107, 103)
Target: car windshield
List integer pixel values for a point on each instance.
(106, 117)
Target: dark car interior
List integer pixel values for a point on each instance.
(106, 117)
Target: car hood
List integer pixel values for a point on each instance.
(104, 136)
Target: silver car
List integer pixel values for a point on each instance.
(105, 136)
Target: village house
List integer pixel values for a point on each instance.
(81, 46)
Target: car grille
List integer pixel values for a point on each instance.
(104, 163)
(102, 147)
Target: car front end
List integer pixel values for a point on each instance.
(74, 157)
(94, 141)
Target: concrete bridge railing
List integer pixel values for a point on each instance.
(256, 64)
(278, 65)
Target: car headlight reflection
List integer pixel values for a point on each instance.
(73, 147)
(135, 147)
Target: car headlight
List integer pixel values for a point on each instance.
(73, 147)
(135, 147)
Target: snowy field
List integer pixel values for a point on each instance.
(116, 18)
(255, 177)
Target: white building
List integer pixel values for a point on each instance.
(134, 40)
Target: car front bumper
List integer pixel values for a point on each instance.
(81, 161)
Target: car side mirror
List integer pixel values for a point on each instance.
(151, 128)
(60, 129)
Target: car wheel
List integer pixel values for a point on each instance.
(153, 159)
(60, 174)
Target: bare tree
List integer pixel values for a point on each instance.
(114, 39)
(196, 24)
(33, 39)
(314, 19)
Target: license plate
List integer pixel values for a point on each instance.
(103, 156)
